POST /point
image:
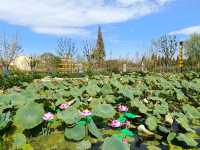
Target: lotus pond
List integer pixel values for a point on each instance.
(118, 112)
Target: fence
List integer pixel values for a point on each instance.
(117, 67)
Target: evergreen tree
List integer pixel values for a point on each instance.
(100, 44)
(99, 52)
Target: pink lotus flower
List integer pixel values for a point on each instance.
(64, 106)
(124, 141)
(115, 124)
(122, 108)
(127, 123)
(86, 113)
(48, 116)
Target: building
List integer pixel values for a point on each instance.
(21, 63)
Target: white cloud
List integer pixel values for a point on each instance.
(61, 31)
(68, 17)
(187, 31)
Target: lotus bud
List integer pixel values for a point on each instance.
(169, 119)
(115, 124)
(48, 116)
(86, 113)
(145, 101)
(64, 106)
(125, 141)
(141, 128)
(122, 108)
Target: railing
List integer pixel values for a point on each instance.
(75, 68)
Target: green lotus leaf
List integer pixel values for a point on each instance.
(82, 145)
(180, 95)
(76, 92)
(138, 104)
(106, 89)
(60, 101)
(96, 101)
(19, 140)
(27, 147)
(187, 139)
(92, 88)
(153, 147)
(116, 84)
(137, 92)
(4, 120)
(191, 112)
(161, 109)
(31, 94)
(126, 92)
(151, 123)
(183, 121)
(76, 133)
(175, 147)
(14, 99)
(29, 116)
(171, 136)
(70, 115)
(49, 85)
(110, 99)
(111, 143)
(93, 129)
(163, 129)
(104, 111)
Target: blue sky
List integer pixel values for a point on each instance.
(128, 25)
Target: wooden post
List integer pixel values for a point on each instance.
(124, 68)
(142, 67)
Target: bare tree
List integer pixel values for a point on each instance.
(66, 47)
(88, 50)
(193, 49)
(9, 50)
(32, 62)
(48, 61)
(166, 46)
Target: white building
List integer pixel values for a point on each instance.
(22, 63)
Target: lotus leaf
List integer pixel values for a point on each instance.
(151, 122)
(187, 139)
(70, 115)
(183, 121)
(29, 116)
(106, 89)
(92, 88)
(93, 129)
(114, 144)
(4, 120)
(171, 136)
(76, 133)
(19, 140)
(104, 111)
(191, 112)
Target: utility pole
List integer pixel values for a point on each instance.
(180, 56)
